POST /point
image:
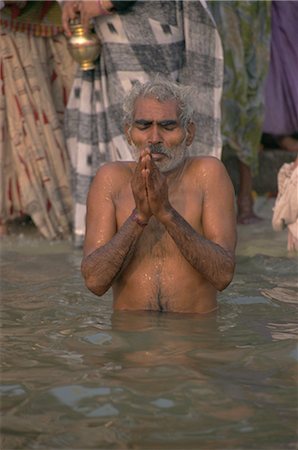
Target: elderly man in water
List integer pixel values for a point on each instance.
(161, 231)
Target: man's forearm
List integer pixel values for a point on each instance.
(103, 265)
(210, 259)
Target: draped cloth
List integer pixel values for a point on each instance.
(285, 211)
(178, 39)
(36, 76)
(281, 89)
(244, 27)
(35, 18)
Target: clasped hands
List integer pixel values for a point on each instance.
(150, 189)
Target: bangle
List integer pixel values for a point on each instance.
(102, 10)
(136, 219)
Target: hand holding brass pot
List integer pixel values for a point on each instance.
(83, 47)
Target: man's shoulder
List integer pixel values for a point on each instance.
(209, 172)
(206, 169)
(113, 175)
(205, 162)
(116, 169)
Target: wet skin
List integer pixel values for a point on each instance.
(185, 253)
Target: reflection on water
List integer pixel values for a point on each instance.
(77, 376)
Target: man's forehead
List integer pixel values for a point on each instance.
(150, 108)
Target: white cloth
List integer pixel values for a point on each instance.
(285, 211)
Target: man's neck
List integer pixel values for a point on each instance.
(174, 175)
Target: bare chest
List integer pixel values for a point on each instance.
(186, 200)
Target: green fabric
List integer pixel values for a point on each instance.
(244, 27)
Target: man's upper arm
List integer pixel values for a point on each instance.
(219, 217)
(100, 218)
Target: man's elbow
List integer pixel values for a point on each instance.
(95, 287)
(226, 277)
(92, 281)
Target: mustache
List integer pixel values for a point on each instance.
(159, 149)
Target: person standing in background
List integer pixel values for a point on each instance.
(244, 28)
(281, 87)
(36, 76)
(139, 39)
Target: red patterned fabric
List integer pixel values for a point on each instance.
(37, 18)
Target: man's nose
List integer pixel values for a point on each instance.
(155, 135)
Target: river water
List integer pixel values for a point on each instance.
(75, 375)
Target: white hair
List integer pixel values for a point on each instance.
(162, 90)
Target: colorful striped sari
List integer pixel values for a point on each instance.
(36, 74)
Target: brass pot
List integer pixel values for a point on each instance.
(83, 47)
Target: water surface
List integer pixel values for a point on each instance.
(75, 375)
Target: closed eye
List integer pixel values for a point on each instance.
(169, 127)
(168, 124)
(142, 124)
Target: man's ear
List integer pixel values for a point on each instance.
(127, 133)
(190, 133)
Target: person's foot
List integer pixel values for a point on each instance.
(288, 143)
(246, 214)
(248, 219)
